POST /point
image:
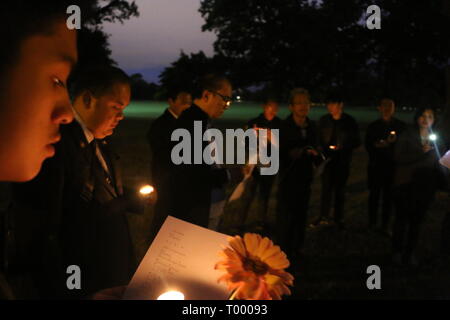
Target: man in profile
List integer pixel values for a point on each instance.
(158, 137)
(191, 184)
(74, 211)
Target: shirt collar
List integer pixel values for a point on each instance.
(172, 113)
(87, 133)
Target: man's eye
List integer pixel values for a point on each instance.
(58, 82)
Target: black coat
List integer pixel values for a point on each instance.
(412, 165)
(191, 184)
(380, 130)
(262, 122)
(296, 171)
(73, 213)
(159, 139)
(343, 132)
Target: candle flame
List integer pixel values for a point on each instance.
(146, 190)
(171, 295)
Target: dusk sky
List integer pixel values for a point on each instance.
(152, 41)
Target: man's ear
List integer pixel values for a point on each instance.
(87, 99)
(206, 95)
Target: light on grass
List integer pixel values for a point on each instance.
(171, 295)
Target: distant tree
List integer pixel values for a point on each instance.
(141, 89)
(188, 68)
(322, 45)
(93, 45)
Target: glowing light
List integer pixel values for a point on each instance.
(393, 132)
(171, 295)
(146, 190)
(333, 147)
(432, 137)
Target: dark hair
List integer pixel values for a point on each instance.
(97, 80)
(334, 97)
(174, 91)
(419, 112)
(269, 100)
(211, 82)
(298, 91)
(20, 19)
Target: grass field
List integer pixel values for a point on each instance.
(335, 263)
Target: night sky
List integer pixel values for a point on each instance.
(150, 42)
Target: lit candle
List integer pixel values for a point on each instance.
(393, 133)
(333, 147)
(171, 295)
(146, 190)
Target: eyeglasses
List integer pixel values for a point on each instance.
(228, 100)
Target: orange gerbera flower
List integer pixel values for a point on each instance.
(254, 268)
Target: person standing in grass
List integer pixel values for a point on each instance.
(338, 137)
(158, 137)
(261, 185)
(299, 156)
(380, 140)
(417, 174)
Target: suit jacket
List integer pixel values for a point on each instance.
(376, 131)
(73, 213)
(191, 184)
(343, 132)
(159, 139)
(297, 171)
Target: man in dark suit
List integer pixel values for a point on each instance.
(158, 137)
(191, 184)
(338, 137)
(73, 212)
(298, 156)
(380, 140)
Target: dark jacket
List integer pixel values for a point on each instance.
(158, 137)
(380, 130)
(191, 184)
(73, 213)
(412, 164)
(294, 137)
(343, 133)
(262, 122)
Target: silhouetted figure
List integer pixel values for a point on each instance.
(158, 137)
(416, 157)
(298, 156)
(381, 136)
(339, 136)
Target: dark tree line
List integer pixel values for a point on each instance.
(325, 45)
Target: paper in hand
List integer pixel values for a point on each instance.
(445, 160)
(181, 258)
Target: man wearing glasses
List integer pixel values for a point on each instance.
(191, 185)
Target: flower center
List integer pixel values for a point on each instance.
(256, 266)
